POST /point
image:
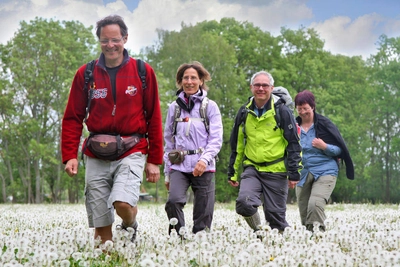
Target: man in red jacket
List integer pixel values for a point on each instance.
(121, 109)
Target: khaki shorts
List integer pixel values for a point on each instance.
(110, 181)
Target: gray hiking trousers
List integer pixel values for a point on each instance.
(267, 189)
(203, 188)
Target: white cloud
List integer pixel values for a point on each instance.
(392, 28)
(41, 3)
(152, 14)
(352, 37)
(342, 35)
(170, 14)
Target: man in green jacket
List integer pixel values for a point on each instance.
(270, 153)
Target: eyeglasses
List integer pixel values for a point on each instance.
(259, 85)
(113, 41)
(303, 109)
(187, 78)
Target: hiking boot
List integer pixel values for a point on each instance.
(134, 227)
(254, 221)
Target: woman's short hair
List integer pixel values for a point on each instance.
(305, 97)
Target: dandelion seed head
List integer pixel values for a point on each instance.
(173, 234)
(182, 231)
(173, 221)
(65, 263)
(108, 245)
(147, 263)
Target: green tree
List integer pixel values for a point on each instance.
(302, 65)
(40, 62)
(385, 124)
(255, 49)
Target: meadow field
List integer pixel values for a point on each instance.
(58, 235)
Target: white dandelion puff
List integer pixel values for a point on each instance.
(108, 245)
(173, 221)
(182, 231)
(147, 263)
(65, 263)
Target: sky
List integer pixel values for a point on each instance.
(348, 27)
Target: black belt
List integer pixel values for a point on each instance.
(265, 164)
(192, 152)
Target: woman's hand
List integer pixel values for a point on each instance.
(199, 168)
(319, 143)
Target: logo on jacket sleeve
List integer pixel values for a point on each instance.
(131, 90)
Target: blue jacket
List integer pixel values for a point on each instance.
(317, 161)
(327, 131)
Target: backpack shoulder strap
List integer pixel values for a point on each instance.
(205, 118)
(142, 72)
(177, 114)
(277, 105)
(203, 113)
(89, 73)
(243, 112)
(88, 88)
(243, 117)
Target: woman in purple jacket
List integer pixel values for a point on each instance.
(192, 142)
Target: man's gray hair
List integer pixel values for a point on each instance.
(271, 79)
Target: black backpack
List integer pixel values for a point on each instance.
(89, 86)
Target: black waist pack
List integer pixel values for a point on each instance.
(176, 156)
(110, 147)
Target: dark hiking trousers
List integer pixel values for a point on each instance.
(267, 189)
(203, 188)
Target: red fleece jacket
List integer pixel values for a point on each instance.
(135, 110)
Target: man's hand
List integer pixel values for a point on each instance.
(71, 168)
(292, 184)
(152, 173)
(233, 183)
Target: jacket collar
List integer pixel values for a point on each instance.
(102, 59)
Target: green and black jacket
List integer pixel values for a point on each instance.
(259, 142)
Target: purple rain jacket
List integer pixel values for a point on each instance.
(192, 134)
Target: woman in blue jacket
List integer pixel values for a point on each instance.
(322, 147)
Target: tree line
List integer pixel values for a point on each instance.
(361, 96)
